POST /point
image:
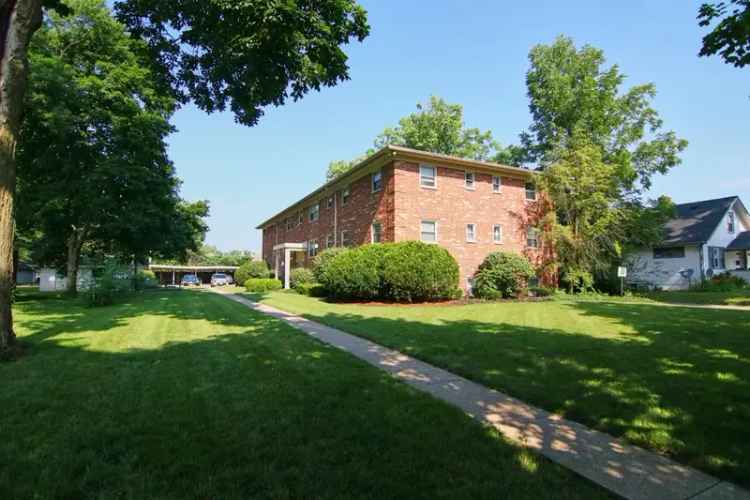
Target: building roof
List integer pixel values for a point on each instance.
(179, 268)
(741, 242)
(391, 152)
(695, 222)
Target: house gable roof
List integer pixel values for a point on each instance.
(695, 222)
(741, 242)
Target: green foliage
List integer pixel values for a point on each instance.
(724, 282)
(416, 271)
(320, 263)
(245, 55)
(311, 289)
(502, 274)
(113, 281)
(252, 269)
(730, 37)
(256, 285)
(352, 273)
(542, 291)
(145, 279)
(301, 276)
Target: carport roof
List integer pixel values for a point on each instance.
(169, 267)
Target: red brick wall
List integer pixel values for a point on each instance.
(453, 206)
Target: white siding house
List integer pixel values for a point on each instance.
(51, 281)
(704, 239)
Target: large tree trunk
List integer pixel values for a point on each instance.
(18, 21)
(74, 243)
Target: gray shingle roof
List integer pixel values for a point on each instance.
(741, 242)
(695, 222)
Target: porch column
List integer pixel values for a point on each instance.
(276, 264)
(173, 276)
(287, 265)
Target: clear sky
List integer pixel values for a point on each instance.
(473, 53)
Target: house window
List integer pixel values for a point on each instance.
(377, 232)
(530, 191)
(428, 231)
(377, 181)
(345, 196)
(427, 176)
(314, 212)
(532, 237)
(469, 180)
(730, 222)
(345, 240)
(497, 184)
(471, 233)
(669, 253)
(497, 233)
(289, 223)
(330, 240)
(329, 202)
(716, 254)
(312, 248)
(300, 218)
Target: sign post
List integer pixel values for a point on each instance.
(622, 272)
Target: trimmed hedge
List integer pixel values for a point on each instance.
(320, 261)
(300, 276)
(251, 269)
(407, 271)
(311, 289)
(262, 284)
(502, 274)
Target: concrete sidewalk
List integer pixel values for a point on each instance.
(626, 470)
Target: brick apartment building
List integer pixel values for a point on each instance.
(469, 207)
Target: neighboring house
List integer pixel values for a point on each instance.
(469, 207)
(50, 280)
(25, 274)
(705, 238)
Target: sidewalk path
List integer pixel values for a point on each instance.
(626, 470)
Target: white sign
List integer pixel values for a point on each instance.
(622, 272)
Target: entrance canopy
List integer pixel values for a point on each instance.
(283, 259)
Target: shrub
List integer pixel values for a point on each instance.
(262, 284)
(311, 289)
(251, 269)
(300, 276)
(321, 261)
(353, 273)
(112, 282)
(502, 275)
(724, 282)
(415, 271)
(145, 279)
(542, 291)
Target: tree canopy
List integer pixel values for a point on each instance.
(730, 36)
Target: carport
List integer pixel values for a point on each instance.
(172, 274)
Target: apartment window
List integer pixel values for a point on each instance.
(532, 237)
(289, 223)
(377, 232)
(314, 212)
(345, 196)
(312, 248)
(329, 202)
(330, 240)
(530, 191)
(730, 222)
(469, 180)
(471, 233)
(497, 233)
(345, 239)
(377, 181)
(300, 218)
(669, 253)
(428, 231)
(716, 255)
(427, 176)
(497, 184)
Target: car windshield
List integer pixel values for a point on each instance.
(190, 277)
(219, 275)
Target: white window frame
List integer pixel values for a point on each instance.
(526, 191)
(535, 232)
(289, 223)
(379, 174)
(428, 221)
(469, 174)
(300, 217)
(473, 237)
(345, 195)
(312, 248)
(313, 213)
(731, 225)
(497, 188)
(344, 235)
(380, 232)
(422, 178)
(329, 202)
(499, 227)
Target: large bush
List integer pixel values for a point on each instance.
(320, 262)
(502, 275)
(251, 269)
(415, 271)
(256, 285)
(408, 271)
(300, 276)
(105, 287)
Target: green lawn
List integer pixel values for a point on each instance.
(185, 394)
(736, 298)
(676, 380)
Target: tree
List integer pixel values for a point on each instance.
(245, 55)
(730, 38)
(573, 95)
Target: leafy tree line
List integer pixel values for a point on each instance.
(209, 255)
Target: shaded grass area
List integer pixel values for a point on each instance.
(735, 298)
(675, 380)
(184, 394)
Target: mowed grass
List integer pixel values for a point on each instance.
(735, 298)
(675, 380)
(185, 394)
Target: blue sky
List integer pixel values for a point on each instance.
(473, 53)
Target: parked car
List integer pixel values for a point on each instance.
(230, 279)
(190, 280)
(219, 279)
